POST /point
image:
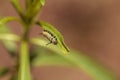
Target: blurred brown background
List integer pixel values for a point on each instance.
(90, 26)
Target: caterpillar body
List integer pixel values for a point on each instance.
(50, 37)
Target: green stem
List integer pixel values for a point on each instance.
(24, 64)
(24, 61)
(26, 33)
(19, 9)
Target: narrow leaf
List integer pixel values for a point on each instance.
(75, 59)
(44, 57)
(8, 39)
(42, 2)
(5, 20)
(34, 8)
(9, 43)
(55, 32)
(28, 3)
(18, 7)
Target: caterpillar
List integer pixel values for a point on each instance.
(50, 37)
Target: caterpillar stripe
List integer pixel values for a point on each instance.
(50, 37)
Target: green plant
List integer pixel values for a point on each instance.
(42, 55)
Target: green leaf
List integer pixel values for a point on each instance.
(34, 8)
(5, 20)
(42, 2)
(74, 59)
(44, 57)
(55, 32)
(39, 2)
(28, 3)
(4, 29)
(18, 8)
(3, 71)
(7, 38)
(24, 63)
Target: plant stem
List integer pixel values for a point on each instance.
(24, 64)
(24, 61)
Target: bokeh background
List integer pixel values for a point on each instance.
(89, 26)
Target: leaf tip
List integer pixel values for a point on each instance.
(66, 51)
(43, 2)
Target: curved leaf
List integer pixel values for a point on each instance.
(42, 2)
(34, 8)
(55, 32)
(75, 59)
(6, 34)
(18, 7)
(28, 3)
(43, 57)
(9, 43)
(5, 20)
(7, 38)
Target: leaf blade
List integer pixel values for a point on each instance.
(54, 31)
(18, 8)
(42, 2)
(5, 20)
(8, 39)
(44, 57)
(90, 66)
